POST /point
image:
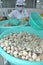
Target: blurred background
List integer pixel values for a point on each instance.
(34, 3)
(6, 7)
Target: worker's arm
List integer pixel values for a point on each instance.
(26, 17)
(11, 15)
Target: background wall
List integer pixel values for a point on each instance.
(39, 4)
(8, 3)
(30, 3)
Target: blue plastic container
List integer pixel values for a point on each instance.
(17, 61)
(12, 22)
(2, 29)
(4, 22)
(36, 21)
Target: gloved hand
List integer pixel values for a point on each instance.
(1, 18)
(24, 19)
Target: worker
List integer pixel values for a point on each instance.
(20, 12)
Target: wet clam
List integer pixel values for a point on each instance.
(23, 45)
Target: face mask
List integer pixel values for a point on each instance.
(20, 8)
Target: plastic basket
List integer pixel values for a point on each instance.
(12, 22)
(16, 61)
(2, 29)
(36, 21)
(4, 22)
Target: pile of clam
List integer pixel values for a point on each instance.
(23, 45)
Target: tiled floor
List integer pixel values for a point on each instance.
(2, 61)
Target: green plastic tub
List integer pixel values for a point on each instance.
(36, 21)
(12, 22)
(2, 29)
(17, 61)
